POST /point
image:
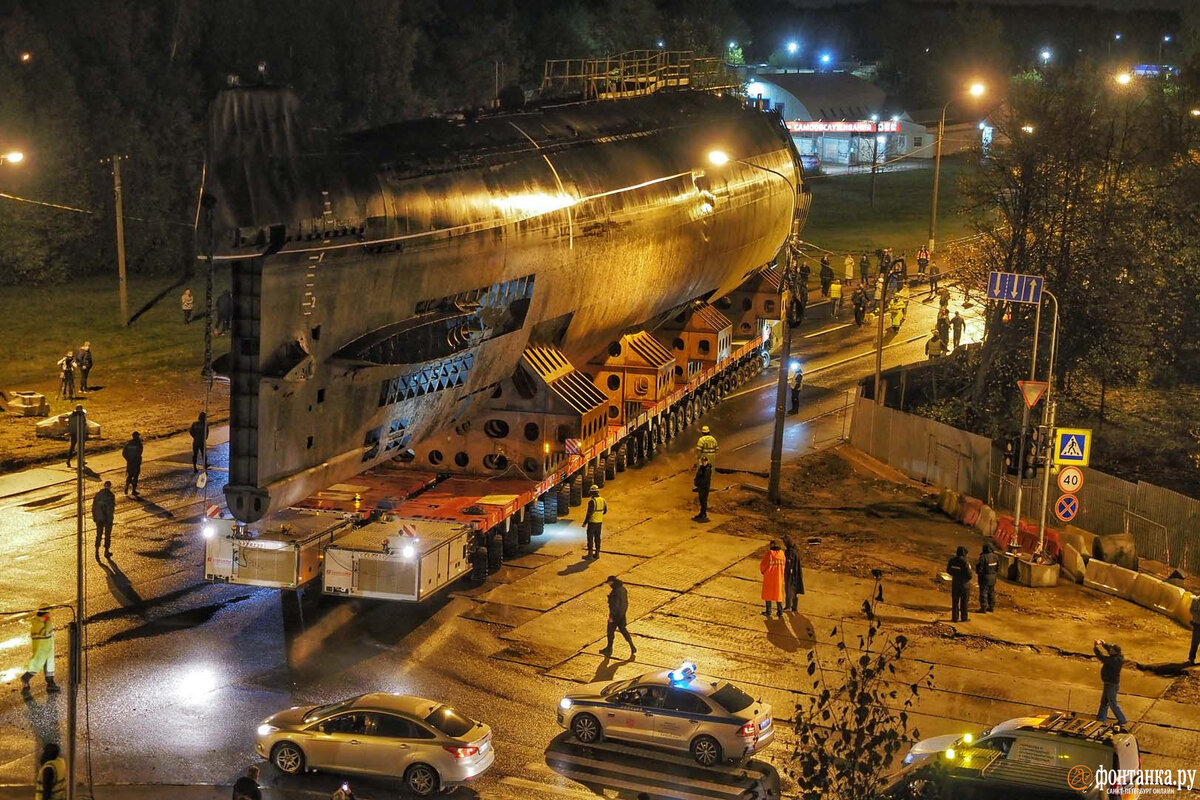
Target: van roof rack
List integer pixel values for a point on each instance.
(1070, 724)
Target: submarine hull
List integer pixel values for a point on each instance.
(386, 283)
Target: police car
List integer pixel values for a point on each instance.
(679, 710)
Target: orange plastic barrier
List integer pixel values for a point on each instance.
(970, 510)
(1004, 531)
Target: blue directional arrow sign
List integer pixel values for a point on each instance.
(1013, 288)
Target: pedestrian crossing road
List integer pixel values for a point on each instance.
(614, 766)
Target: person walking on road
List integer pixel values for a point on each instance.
(922, 261)
(83, 358)
(797, 385)
(935, 348)
(703, 484)
(935, 273)
(848, 269)
(246, 787)
(132, 453)
(618, 609)
(960, 584)
(793, 575)
(52, 774)
(41, 640)
(943, 325)
(826, 275)
(858, 299)
(987, 569)
(187, 303)
(864, 267)
(199, 432)
(1111, 661)
(224, 312)
(773, 566)
(104, 510)
(593, 520)
(956, 326)
(707, 445)
(66, 377)
(835, 299)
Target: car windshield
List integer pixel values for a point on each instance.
(731, 698)
(450, 722)
(324, 711)
(616, 687)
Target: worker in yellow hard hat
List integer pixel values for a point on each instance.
(707, 445)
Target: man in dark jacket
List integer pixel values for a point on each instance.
(83, 358)
(1111, 660)
(797, 385)
(793, 575)
(618, 608)
(199, 432)
(246, 787)
(987, 568)
(826, 276)
(132, 453)
(104, 509)
(224, 312)
(960, 583)
(703, 483)
(864, 267)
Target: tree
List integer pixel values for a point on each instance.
(848, 734)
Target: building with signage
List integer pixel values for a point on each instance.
(838, 118)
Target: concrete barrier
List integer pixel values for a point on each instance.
(1117, 548)
(1008, 565)
(986, 523)
(1073, 564)
(1084, 541)
(1109, 578)
(1155, 595)
(950, 502)
(968, 510)
(1183, 612)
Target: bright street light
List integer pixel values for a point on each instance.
(1045, 55)
(1196, 112)
(976, 89)
(26, 57)
(15, 157)
(792, 47)
(732, 45)
(719, 158)
(1117, 36)
(1124, 78)
(1027, 128)
(826, 58)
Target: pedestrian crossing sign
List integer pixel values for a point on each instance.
(1072, 446)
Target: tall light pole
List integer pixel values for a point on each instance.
(719, 158)
(1048, 416)
(1164, 40)
(976, 90)
(78, 424)
(119, 209)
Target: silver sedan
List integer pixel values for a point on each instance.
(678, 710)
(425, 743)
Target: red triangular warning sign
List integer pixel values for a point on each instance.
(1032, 391)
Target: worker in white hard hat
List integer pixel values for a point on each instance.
(707, 445)
(593, 519)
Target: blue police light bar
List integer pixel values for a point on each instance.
(686, 671)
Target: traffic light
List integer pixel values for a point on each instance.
(1037, 441)
(1012, 450)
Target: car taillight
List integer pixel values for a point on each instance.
(461, 752)
(749, 729)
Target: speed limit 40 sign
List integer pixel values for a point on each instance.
(1070, 480)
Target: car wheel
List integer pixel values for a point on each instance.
(706, 750)
(586, 729)
(288, 758)
(421, 779)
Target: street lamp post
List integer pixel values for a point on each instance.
(1164, 40)
(78, 422)
(1048, 416)
(976, 90)
(773, 492)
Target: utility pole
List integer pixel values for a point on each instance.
(785, 351)
(887, 277)
(1048, 418)
(79, 426)
(120, 215)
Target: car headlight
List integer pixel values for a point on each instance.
(266, 730)
(565, 703)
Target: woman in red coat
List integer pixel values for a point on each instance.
(772, 568)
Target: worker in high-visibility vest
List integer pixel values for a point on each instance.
(707, 445)
(41, 640)
(593, 519)
(52, 775)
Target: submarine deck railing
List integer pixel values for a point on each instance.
(636, 73)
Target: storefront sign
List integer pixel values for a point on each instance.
(842, 126)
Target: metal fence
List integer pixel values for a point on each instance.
(1164, 524)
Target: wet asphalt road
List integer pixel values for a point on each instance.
(180, 671)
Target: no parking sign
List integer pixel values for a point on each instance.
(1067, 507)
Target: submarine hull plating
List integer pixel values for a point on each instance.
(386, 283)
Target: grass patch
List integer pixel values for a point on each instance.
(842, 218)
(146, 376)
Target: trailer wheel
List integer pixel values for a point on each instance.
(598, 472)
(610, 468)
(510, 541)
(765, 358)
(577, 489)
(537, 525)
(495, 552)
(549, 509)
(621, 458)
(522, 526)
(564, 499)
